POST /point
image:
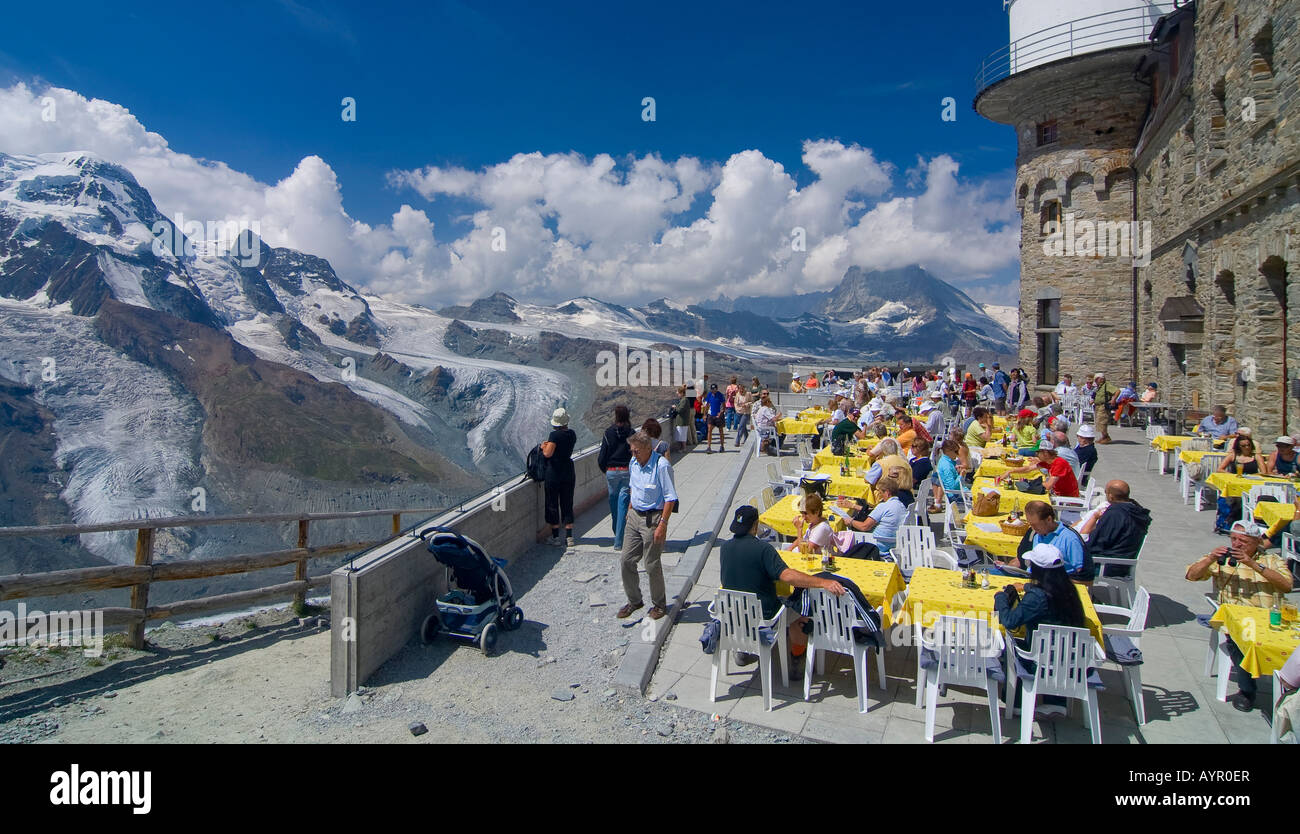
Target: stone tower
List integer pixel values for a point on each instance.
(1065, 81)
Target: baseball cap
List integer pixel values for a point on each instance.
(1249, 528)
(981, 364)
(744, 519)
(996, 365)
(1086, 431)
(1289, 441)
(713, 386)
(1025, 412)
(1045, 556)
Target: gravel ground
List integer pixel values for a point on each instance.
(550, 681)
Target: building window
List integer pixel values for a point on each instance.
(1051, 213)
(1046, 132)
(1049, 358)
(1049, 312)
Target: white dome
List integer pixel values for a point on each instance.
(1043, 31)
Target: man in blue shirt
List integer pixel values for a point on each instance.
(1218, 425)
(713, 403)
(1000, 383)
(1048, 530)
(652, 500)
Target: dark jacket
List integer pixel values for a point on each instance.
(1120, 531)
(1033, 610)
(614, 450)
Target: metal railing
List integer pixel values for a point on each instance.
(1121, 27)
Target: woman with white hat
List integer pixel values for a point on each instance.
(1283, 459)
(1086, 450)
(560, 477)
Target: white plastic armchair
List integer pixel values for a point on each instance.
(741, 616)
(833, 620)
(1063, 657)
(1130, 632)
(964, 652)
(1282, 493)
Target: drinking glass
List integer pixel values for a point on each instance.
(1288, 612)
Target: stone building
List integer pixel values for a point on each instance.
(1190, 130)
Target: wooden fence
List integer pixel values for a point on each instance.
(144, 572)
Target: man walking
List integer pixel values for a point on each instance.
(653, 498)
(1101, 405)
(713, 403)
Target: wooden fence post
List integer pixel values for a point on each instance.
(140, 593)
(300, 572)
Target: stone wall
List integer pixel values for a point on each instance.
(1221, 191)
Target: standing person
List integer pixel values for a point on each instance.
(653, 499)
(1102, 403)
(613, 460)
(744, 402)
(1018, 393)
(1001, 382)
(684, 418)
(713, 403)
(755, 388)
(692, 401)
(732, 390)
(560, 478)
(969, 392)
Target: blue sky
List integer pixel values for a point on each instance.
(257, 85)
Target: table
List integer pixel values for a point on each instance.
(851, 486)
(790, 426)
(814, 415)
(1264, 650)
(991, 468)
(996, 543)
(781, 514)
(1009, 498)
(1167, 443)
(858, 460)
(878, 581)
(1235, 486)
(1273, 513)
(934, 592)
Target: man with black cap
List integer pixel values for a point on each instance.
(750, 565)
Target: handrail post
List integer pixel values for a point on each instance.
(397, 524)
(300, 570)
(140, 593)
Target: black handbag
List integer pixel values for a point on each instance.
(1030, 487)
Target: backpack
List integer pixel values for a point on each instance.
(536, 465)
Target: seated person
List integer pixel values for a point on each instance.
(846, 433)
(980, 428)
(1026, 435)
(919, 459)
(950, 472)
(933, 416)
(1062, 443)
(1243, 458)
(1218, 424)
(1283, 459)
(1124, 400)
(1118, 530)
(1086, 451)
(906, 434)
(751, 565)
(1149, 395)
(881, 524)
(1058, 476)
(1243, 576)
(1044, 528)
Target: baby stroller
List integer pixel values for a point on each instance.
(479, 601)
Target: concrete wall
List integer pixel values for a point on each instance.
(379, 600)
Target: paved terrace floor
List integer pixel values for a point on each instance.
(1180, 702)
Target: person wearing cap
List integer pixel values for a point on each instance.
(1026, 435)
(1086, 450)
(560, 477)
(1242, 575)
(1217, 424)
(1149, 395)
(1283, 459)
(933, 418)
(1124, 400)
(651, 502)
(1058, 474)
(713, 419)
(1049, 597)
(1102, 402)
(845, 430)
(752, 566)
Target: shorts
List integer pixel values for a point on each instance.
(716, 420)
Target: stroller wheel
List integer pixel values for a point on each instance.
(515, 618)
(429, 629)
(487, 641)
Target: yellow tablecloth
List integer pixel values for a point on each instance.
(1008, 499)
(878, 581)
(993, 468)
(789, 426)
(857, 459)
(996, 543)
(1274, 512)
(1169, 442)
(1234, 486)
(934, 592)
(852, 485)
(1193, 456)
(780, 516)
(814, 415)
(1264, 650)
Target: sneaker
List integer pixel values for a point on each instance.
(555, 541)
(744, 658)
(1243, 702)
(708, 450)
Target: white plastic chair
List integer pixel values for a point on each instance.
(833, 620)
(915, 549)
(1063, 658)
(1093, 496)
(953, 533)
(1130, 632)
(769, 498)
(764, 435)
(963, 653)
(1291, 551)
(1283, 493)
(775, 482)
(1068, 509)
(1152, 433)
(741, 615)
(1274, 736)
(1127, 584)
(1210, 463)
